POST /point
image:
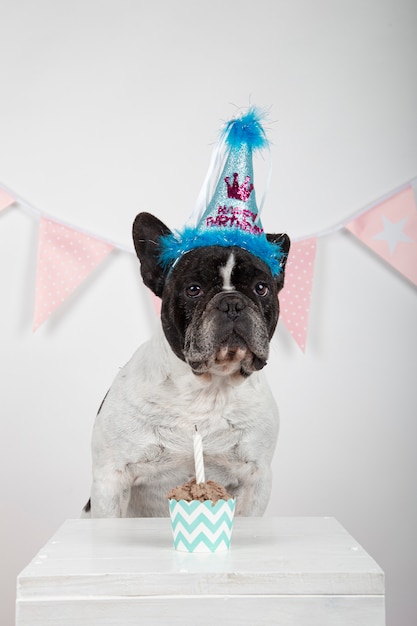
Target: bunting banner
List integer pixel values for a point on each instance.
(156, 303)
(65, 258)
(68, 254)
(390, 230)
(5, 199)
(295, 295)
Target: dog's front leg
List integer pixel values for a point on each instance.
(110, 494)
(254, 492)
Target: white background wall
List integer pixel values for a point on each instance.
(110, 107)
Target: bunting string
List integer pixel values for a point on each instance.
(340, 225)
(29, 208)
(67, 254)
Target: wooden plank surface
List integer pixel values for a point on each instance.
(292, 568)
(268, 555)
(206, 611)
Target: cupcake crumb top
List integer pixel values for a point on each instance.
(192, 490)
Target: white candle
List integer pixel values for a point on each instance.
(198, 457)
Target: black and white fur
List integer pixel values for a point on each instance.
(202, 368)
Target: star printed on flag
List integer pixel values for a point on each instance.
(393, 233)
(390, 230)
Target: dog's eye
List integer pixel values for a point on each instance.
(194, 291)
(261, 289)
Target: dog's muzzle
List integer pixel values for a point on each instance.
(228, 337)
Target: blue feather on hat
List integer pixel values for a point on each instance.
(246, 129)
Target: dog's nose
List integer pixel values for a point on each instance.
(231, 305)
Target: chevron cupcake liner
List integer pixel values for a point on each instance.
(202, 526)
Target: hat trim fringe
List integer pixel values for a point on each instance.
(174, 245)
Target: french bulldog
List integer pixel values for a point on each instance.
(202, 368)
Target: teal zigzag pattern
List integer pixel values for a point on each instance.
(201, 538)
(212, 525)
(200, 526)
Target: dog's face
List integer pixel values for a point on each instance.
(219, 310)
(219, 304)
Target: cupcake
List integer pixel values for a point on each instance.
(201, 512)
(201, 516)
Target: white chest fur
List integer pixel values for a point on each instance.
(142, 440)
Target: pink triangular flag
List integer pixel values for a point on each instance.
(5, 199)
(390, 230)
(156, 304)
(65, 258)
(295, 296)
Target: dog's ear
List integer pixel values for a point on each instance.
(284, 241)
(147, 231)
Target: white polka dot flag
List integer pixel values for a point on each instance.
(65, 258)
(296, 294)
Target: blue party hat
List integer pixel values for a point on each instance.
(231, 217)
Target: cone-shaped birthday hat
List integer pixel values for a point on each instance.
(231, 217)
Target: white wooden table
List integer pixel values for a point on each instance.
(281, 571)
